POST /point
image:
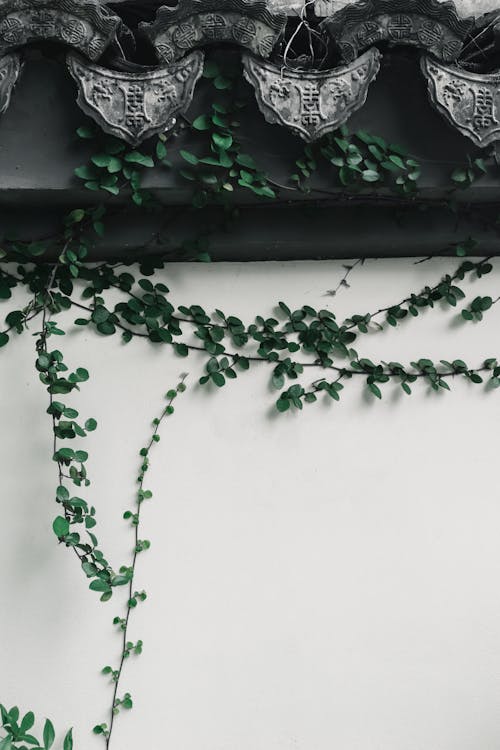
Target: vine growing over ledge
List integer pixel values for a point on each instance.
(309, 353)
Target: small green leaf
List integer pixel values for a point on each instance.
(68, 741)
(27, 722)
(99, 585)
(86, 133)
(135, 157)
(114, 165)
(218, 378)
(282, 404)
(397, 160)
(82, 374)
(245, 160)
(375, 390)
(189, 157)
(201, 123)
(161, 150)
(62, 494)
(49, 735)
(221, 83)
(60, 526)
(113, 189)
(76, 216)
(459, 175)
(222, 141)
(369, 175)
(86, 173)
(210, 69)
(101, 160)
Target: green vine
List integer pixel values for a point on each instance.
(19, 730)
(359, 159)
(58, 278)
(134, 597)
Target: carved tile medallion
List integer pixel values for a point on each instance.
(84, 24)
(469, 101)
(196, 23)
(136, 106)
(10, 69)
(429, 24)
(311, 103)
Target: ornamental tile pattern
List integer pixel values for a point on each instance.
(134, 102)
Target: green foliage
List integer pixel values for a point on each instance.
(113, 299)
(126, 576)
(477, 307)
(359, 160)
(18, 732)
(221, 164)
(114, 167)
(464, 177)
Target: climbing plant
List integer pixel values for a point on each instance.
(310, 353)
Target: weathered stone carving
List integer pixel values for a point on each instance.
(195, 23)
(84, 24)
(136, 106)
(429, 24)
(481, 52)
(324, 7)
(10, 69)
(311, 103)
(469, 101)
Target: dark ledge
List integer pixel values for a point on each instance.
(406, 102)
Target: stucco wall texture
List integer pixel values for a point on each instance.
(319, 581)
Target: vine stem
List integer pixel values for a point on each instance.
(343, 281)
(343, 371)
(137, 522)
(42, 347)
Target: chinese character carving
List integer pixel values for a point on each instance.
(86, 25)
(244, 31)
(73, 33)
(213, 27)
(483, 117)
(430, 24)
(194, 23)
(400, 27)
(310, 114)
(469, 101)
(136, 106)
(313, 103)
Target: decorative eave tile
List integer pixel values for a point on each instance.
(85, 25)
(10, 70)
(136, 106)
(469, 101)
(429, 24)
(196, 23)
(311, 104)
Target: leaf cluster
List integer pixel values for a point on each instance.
(19, 732)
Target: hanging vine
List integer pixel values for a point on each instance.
(309, 353)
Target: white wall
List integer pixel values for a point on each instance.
(318, 581)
